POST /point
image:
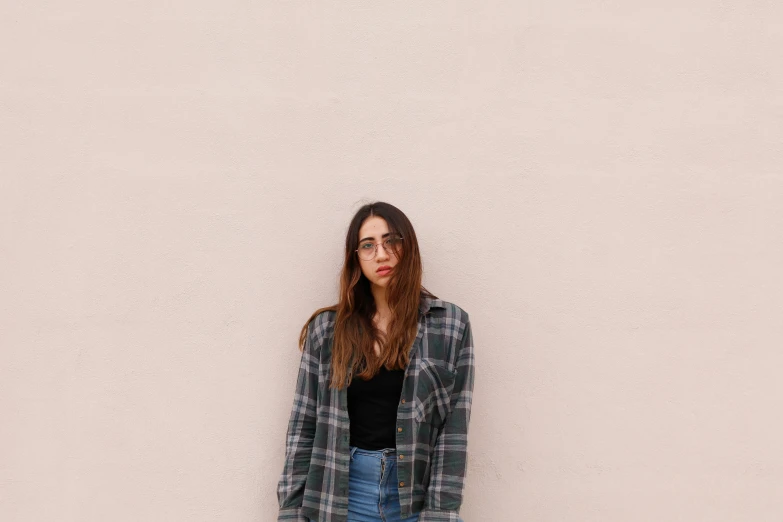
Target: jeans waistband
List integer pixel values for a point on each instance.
(380, 454)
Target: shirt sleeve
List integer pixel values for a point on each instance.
(300, 434)
(449, 462)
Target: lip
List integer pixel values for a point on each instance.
(384, 270)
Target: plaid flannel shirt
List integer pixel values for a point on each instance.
(432, 424)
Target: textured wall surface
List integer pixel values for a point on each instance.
(597, 183)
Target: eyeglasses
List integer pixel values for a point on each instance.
(391, 245)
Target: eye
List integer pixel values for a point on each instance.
(366, 246)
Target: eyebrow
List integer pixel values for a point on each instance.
(372, 238)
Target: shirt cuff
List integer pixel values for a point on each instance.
(291, 515)
(437, 515)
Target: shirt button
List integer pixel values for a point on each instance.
(403, 401)
(402, 484)
(399, 430)
(402, 456)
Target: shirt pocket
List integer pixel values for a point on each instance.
(433, 392)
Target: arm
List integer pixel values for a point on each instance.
(300, 434)
(449, 461)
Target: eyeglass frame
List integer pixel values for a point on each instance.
(375, 252)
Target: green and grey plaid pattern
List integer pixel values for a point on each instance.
(432, 424)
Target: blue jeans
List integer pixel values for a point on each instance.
(372, 487)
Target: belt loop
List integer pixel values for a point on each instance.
(353, 450)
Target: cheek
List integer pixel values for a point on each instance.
(366, 270)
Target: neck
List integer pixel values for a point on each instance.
(381, 305)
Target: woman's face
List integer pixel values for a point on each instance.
(379, 268)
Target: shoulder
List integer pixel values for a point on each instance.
(448, 315)
(321, 325)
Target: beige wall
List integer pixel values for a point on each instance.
(597, 183)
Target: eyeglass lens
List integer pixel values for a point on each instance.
(368, 249)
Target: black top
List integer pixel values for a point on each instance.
(372, 408)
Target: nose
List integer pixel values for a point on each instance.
(380, 253)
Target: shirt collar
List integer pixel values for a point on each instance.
(428, 303)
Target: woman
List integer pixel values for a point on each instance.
(378, 428)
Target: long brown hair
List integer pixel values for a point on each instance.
(355, 335)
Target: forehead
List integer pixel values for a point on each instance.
(374, 227)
